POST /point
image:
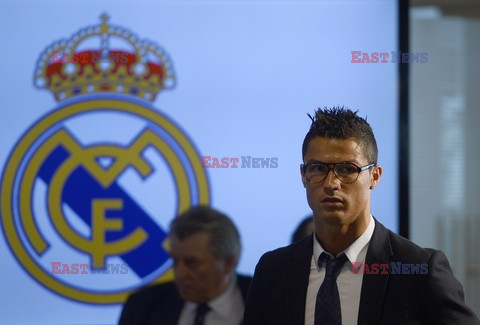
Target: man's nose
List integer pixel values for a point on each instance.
(331, 180)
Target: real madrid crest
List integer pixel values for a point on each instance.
(74, 186)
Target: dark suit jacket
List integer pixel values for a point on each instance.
(278, 291)
(162, 304)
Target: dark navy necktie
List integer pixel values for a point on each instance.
(202, 310)
(327, 306)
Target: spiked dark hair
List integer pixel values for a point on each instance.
(342, 123)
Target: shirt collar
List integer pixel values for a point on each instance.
(222, 304)
(356, 252)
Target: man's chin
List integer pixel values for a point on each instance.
(332, 218)
(190, 295)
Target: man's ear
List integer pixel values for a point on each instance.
(230, 263)
(304, 180)
(375, 176)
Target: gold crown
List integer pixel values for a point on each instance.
(142, 70)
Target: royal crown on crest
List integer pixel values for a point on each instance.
(71, 67)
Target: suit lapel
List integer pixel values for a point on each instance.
(243, 283)
(374, 285)
(166, 311)
(296, 276)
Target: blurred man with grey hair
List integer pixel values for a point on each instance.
(205, 248)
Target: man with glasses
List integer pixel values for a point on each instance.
(352, 270)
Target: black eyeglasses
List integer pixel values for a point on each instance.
(347, 173)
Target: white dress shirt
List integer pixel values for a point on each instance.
(349, 283)
(226, 309)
